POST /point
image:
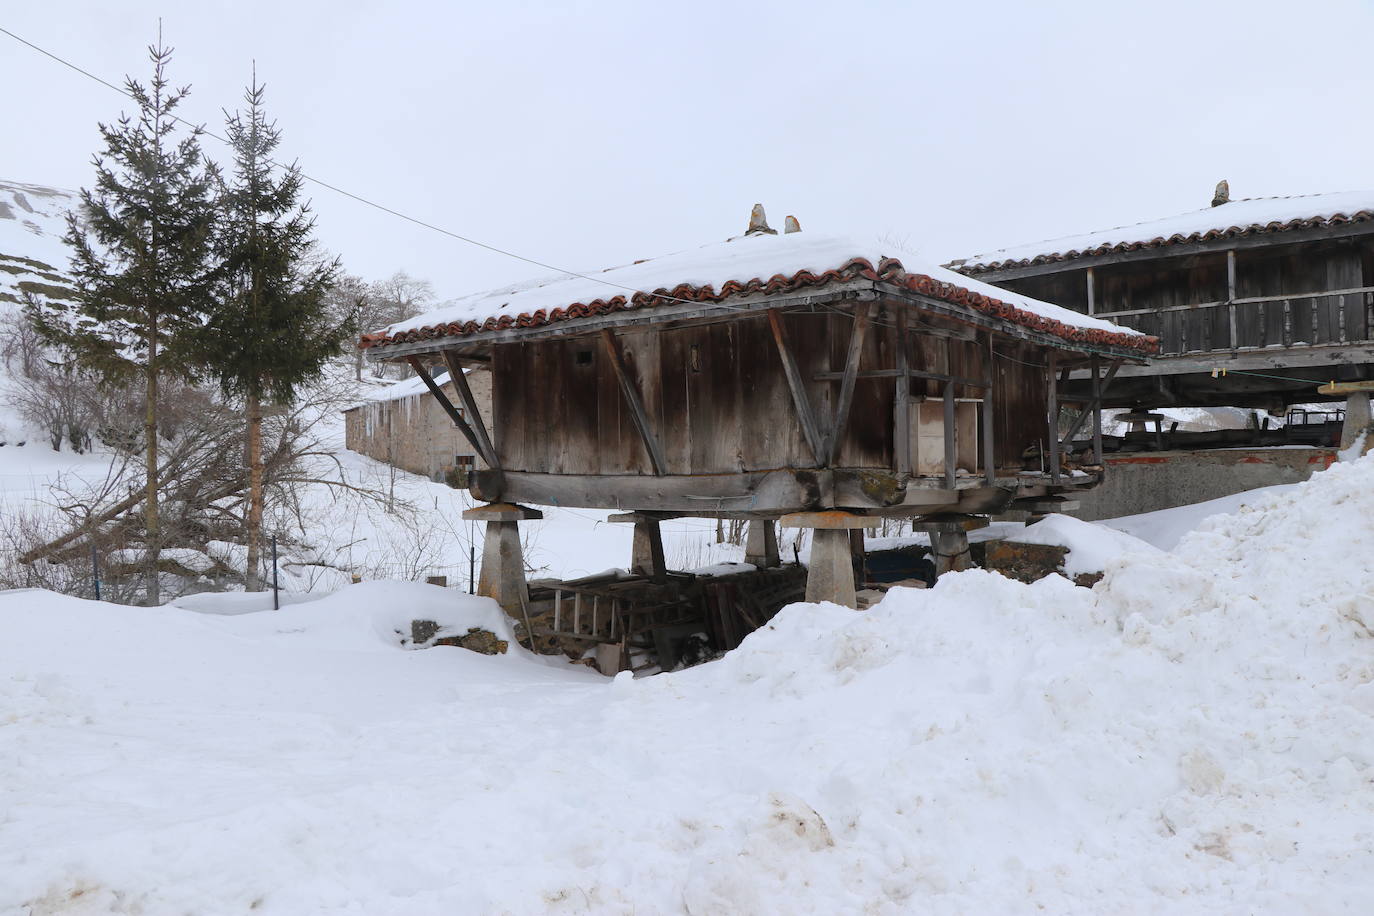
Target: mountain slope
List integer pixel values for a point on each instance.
(33, 258)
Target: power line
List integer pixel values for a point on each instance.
(357, 197)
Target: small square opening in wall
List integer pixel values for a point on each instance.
(694, 358)
(582, 358)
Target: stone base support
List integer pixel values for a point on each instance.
(1357, 420)
(646, 556)
(503, 561)
(646, 552)
(830, 577)
(761, 544)
(949, 541)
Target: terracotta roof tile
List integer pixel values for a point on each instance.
(1247, 217)
(889, 270)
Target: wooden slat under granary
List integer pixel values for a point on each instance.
(769, 375)
(1279, 291)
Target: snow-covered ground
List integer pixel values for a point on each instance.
(1193, 735)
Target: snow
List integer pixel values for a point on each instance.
(1247, 212)
(741, 259)
(1092, 547)
(404, 389)
(1165, 528)
(1193, 735)
(33, 219)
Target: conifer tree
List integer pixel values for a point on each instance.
(272, 329)
(140, 262)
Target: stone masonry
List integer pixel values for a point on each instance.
(411, 431)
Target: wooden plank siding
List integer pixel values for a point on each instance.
(1184, 300)
(718, 402)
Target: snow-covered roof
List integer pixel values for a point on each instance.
(1247, 216)
(395, 391)
(741, 266)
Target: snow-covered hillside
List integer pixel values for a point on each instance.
(33, 219)
(1193, 735)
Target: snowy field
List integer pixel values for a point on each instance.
(1193, 735)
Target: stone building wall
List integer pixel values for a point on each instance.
(1150, 481)
(411, 430)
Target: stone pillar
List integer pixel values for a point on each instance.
(503, 562)
(646, 556)
(646, 551)
(1357, 420)
(949, 540)
(761, 544)
(830, 576)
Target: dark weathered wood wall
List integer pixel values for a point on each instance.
(717, 398)
(1167, 283)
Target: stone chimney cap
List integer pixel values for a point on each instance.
(1222, 194)
(758, 222)
(790, 225)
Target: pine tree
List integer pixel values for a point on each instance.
(140, 262)
(272, 330)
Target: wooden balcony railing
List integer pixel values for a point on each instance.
(1289, 320)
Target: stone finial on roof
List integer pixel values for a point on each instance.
(1222, 194)
(758, 222)
(790, 225)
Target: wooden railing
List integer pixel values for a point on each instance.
(1288, 320)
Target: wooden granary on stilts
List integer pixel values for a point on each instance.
(797, 378)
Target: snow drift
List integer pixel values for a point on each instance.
(1195, 734)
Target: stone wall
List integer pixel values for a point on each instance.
(414, 433)
(1147, 481)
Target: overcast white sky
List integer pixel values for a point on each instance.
(591, 134)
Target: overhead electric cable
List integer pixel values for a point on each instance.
(359, 198)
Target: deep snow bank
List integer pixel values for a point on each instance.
(1193, 735)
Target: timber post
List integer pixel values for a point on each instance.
(503, 561)
(761, 544)
(830, 575)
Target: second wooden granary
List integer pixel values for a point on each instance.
(801, 377)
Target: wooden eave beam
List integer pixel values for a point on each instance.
(664, 316)
(1009, 329)
(460, 385)
(851, 371)
(634, 401)
(806, 416)
(449, 409)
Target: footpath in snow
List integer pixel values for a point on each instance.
(1193, 735)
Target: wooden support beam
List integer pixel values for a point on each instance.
(460, 385)
(851, 371)
(1092, 293)
(831, 376)
(1052, 414)
(1346, 387)
(989, 447)
(901, 400)
(1097, 412)
(1231, 295)
(447, 405)
(950, 433)
(633, 400)
(805, 415)
(1094, 406)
